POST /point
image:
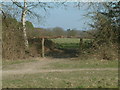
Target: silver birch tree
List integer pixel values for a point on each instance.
(23, 20)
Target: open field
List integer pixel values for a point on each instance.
(60, 73)
(60, 44)
(69, 42)
(66, 40)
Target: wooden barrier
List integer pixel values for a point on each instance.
(80, 45)
(55, 37)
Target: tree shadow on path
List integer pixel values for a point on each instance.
(63, 53)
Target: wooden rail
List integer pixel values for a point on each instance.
(55, 37)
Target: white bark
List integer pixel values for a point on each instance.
(23, 19)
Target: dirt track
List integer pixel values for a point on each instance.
(31, 71)
(32, 67)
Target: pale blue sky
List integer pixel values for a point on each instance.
(65, 17)
(70, 17)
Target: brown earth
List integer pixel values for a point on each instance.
(32, 67)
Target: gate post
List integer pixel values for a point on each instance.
(43, 48)
(80, 45)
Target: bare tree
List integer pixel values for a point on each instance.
(26, 8)
(23, 20)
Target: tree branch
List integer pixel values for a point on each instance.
(17, 4)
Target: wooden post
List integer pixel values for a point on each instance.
(43, 49)
(80, 45)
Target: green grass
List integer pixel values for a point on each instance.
(73, 79)
(82, 79)
(69, 64)
(10, 62)
(66, 64)
(69, 42)
(66, 40)
(68, 45)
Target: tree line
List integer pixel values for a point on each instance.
(105, 25)
(56, 31)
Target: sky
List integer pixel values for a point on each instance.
(66, 18)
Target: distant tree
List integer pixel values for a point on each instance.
(29, 25)
(71, 32)
(25, 8)
(58, 31)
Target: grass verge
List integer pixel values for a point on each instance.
(82, 79)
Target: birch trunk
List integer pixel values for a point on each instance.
(23, 20)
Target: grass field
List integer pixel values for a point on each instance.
(69, 42)
(60, 73)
